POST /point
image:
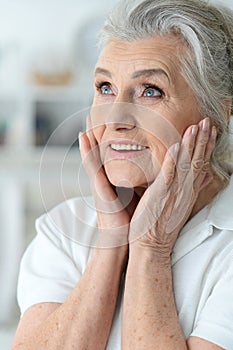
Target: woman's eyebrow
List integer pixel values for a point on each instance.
(103, 71)
(148, 72)
(140, 73)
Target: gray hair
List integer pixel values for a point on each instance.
(207, 66)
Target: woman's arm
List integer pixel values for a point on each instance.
(150, 307)
(84, 320)
(149, 318)
(149, 314)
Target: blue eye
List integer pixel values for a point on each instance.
(105, 90)
(152, 92)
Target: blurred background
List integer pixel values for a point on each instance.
(47, 55)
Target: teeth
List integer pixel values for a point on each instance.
(121, 147)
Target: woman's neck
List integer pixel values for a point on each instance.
(207, 194)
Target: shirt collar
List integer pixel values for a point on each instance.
(221, 209)
(219, 214)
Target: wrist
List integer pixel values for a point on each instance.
(143, 258)
(112, 257)
(111, 238)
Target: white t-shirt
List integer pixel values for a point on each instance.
(202, 266)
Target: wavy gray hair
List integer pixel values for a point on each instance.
(207, 66)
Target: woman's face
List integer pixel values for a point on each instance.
(142, 105)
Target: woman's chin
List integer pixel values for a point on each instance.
(128, 178)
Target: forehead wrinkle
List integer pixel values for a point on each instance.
(148, 72)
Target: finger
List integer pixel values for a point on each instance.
(191, 185)
(105, 196)
(168, 170)
(165, 178)
(155, 196)
(183, 177)
(181, 198)
(90, 133)
(186, 153)
(192, 179)
(189, 139)
(198, 158)
(84, 144)
(210, 145)
(91, 138)
(90, 162)
(206, 176)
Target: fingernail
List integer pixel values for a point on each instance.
(176, 147)
(175, 150)
(80, 137)
(206, 124)
(214, 133)
(194, 130)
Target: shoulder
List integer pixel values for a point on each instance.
(55, 260)
(209, 234)
(74, 219)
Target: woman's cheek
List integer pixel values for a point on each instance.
(99, 115)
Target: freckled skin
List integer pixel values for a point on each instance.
(150, 320)
(124, 111)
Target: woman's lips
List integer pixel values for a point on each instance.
(125, 151)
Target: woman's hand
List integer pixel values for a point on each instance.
(167, 204)
(112, 215)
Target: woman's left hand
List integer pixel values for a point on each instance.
(168, 202)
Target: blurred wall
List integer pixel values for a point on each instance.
(32, 33)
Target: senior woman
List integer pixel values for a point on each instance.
(156, 269)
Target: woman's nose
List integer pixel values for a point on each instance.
(120, 116)
(117, 116)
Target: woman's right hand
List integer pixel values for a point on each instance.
(112, 215)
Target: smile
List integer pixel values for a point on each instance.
(122, 147)
(121, 151)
